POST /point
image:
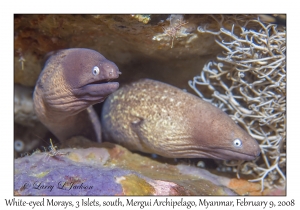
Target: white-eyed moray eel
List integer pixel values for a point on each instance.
(71, 81)
(154, 117)
(147, 115)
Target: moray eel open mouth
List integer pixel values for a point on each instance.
(96, 91)
(104, 81)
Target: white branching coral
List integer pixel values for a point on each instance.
(248, 81)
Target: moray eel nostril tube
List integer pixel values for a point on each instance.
(71, 81)
(155, 117)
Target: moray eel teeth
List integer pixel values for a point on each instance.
(154, 117)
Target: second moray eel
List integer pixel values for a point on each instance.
(154, 117)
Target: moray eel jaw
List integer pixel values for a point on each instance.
(220, 153)
(95, 92)
(228, 154)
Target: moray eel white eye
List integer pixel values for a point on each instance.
(237, 143)
(19, 145)
(96, 70)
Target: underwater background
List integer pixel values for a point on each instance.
(235, 62)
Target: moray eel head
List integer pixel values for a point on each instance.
(71, 82)
(227, 141)
(213, 134)
(88, 75)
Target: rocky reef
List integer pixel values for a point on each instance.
(109, 169)
(244, 74)
(123, 39)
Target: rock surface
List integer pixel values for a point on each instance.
(109, 169)
(122, 39)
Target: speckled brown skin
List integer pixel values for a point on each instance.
(155, 117)
(66, 89)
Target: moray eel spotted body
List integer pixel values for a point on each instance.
(154, 117)
(71, 81)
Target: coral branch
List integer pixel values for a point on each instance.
(248, 82)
